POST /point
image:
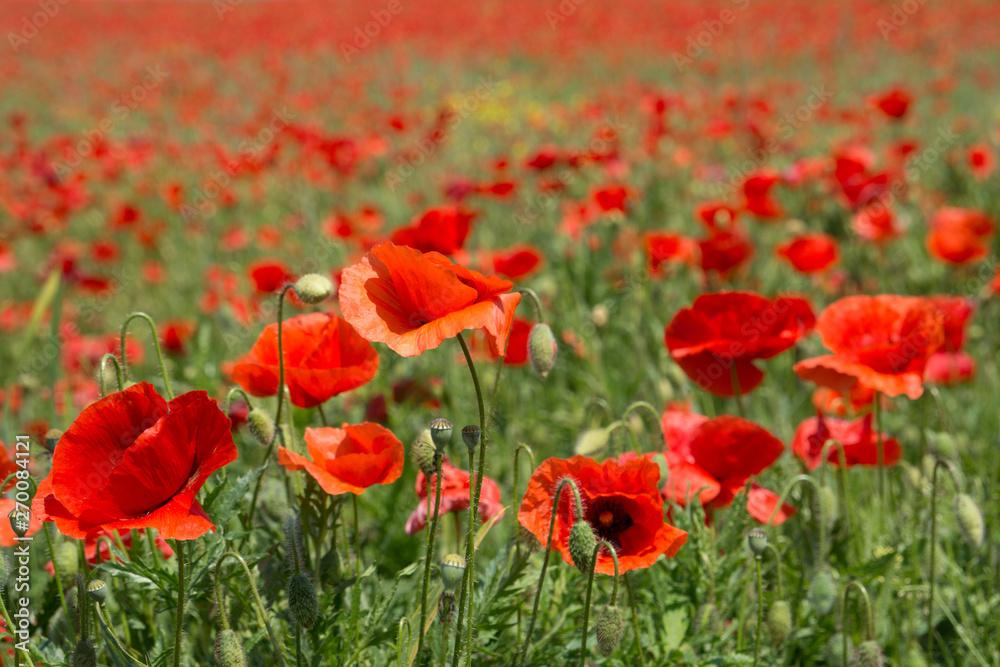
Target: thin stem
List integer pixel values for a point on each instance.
(590, 586)
(261, 614)
(635, 621)
(232, 392)
(322, 414)
(517, 543)
(55, 574)
(760, 612)
(179, 625)
(357, 538)
(432, 521)
(870, 625)
(156, 346)
(118, 373)
(806, 479)
(533, 296)
(930, 601)
(643, 405)
(464, 588)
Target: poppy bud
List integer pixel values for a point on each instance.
(302, 601)
(313, 288)
(229, 650)
(945, 445)
(66, 559)
(527, 539)
(591, 441)
(868, 654)
(779, 622)
(20, 520)
(827, 502)
(441, 433)
(581, 545)
(823, 592)
(970, 519)
(84, 655)
(471, 435)
(52, 439)
(757, 539)
(707, 621)
(261, 426)
(542, 349)
(452, 570)
(424, 452)
(97, 590)
(610, 629)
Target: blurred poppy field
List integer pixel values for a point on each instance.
(502, 333)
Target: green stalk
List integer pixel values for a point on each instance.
(156, 346)
(760, 612)
(635, 621)
(179, 625)
(590, 586)
(261, 613)
(870, 626)
(432, 521)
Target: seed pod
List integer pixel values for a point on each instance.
(581, 545)
(542, 349)
(302, 601)
(452, 571)
(708, 621)
(423, 452)
(757, 539)
(441, 432)
(823, 592)
(261, 426)
(779, 622)
(84, 655)
(610, 629)
(229, 650)
(868, 654)
(471, 435)
(313, 288)
(98, 591)
(52, 437)
(970, 519)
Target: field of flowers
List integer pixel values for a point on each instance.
(568, 332)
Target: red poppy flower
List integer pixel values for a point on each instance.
(612, 197)
(412, 301)
(853, 174)
(176, 334)
(517, 343)
(959, 235)
(732, 329)
(664, 247)
(132, 460)
(858, 441)
(724, 252)
(454, 496)
(620, 502)
(543, 159)
(348, 459)
(954, 312)
(761, 504)
(324, 357)
(810, 253)
(716, 215)
(7, 536)
(269, 275)
(982, 161)
(894, 103)
(831, 402)
(91, 546)
(517, 261)
(881, 342)
(948, 368)
(7, 466)
(876, 223)
(757, 194)
(442, 229)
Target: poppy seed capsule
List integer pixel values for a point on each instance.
(779, 623)
(52, 438)
(261, 426)
(581, 545)
(868, 654)
(313, 288)
(441, 432)
(471, 435)
(97, 590)
(229, 650)
(610, 629)
(302, 601)
(757, 539)
(542, 349)
(424, 452)
(84, 655)
(452, 571)
(970, 519)
(823, 593)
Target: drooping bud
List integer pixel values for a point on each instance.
(261, 426)
(542, 349)
(302, 601)
(20, 521)
(84, 655)
(452, 571)
(229, 650)
(827, 502)
(441, 433)
(581, 545)
(313, 288)
(823, 592)
(779, 622)
(970, 519)
(591, 441)
(757, 539)
(610, 629)
(98, 591)
(708, 621)
(471, 435)
(868, 654)
(423, 452)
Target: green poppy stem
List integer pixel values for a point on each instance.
(156, 346)
(179, 624)
(432, 522)
(869, 626)
(760, 612)
(590, 586)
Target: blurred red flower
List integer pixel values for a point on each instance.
(959, 235)
(757, 194)
(858, 441)
(810, 253)
(442, 229)
(348, 459)
(454, 496)
(893, 103)
(269, 275)
(664, 247)
(517, 261)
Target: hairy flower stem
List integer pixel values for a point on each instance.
(432, 522)
(156, 346)
(259, 606)
(590, 586)
(804, 479)
(760, 612)
(179, 625)
(930, 599)
(545, 559)
(463, 589)
(118, 373)
(869, 626)
(635, 621)
(517, 543)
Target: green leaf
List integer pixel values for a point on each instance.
(120, 657)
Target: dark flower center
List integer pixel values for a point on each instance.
(609, 520)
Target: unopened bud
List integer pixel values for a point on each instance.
(822, 593)
(779, 622)
(441, 433)
(471, 435)
(582, 543)
(302, 601)
(542, 349)
(20, 521)
(757, 539)
(591, 441)
(229, 650)
(868, 654)
(970, 519)
(313, 288)
(98, 591)
(610, 629)
(423, 452)
(84, 655)
(261, 426)
(452, 571)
